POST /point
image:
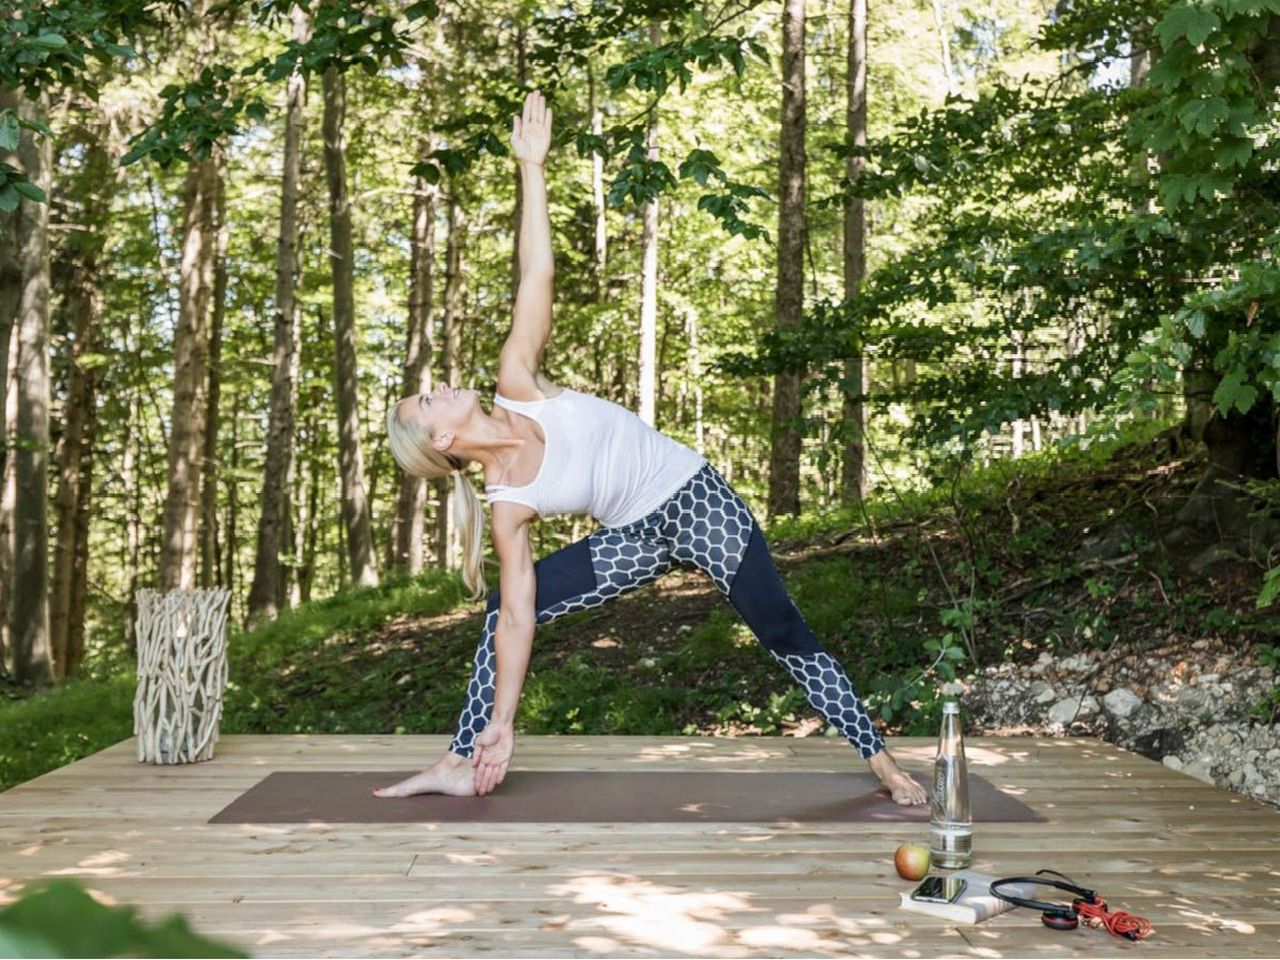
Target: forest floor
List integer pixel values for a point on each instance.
(1022, 566)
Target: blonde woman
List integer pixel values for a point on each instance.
(547, 450)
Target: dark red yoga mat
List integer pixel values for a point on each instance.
(614, 796)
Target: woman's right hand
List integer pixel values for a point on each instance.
(531, 132)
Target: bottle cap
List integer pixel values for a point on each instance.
(950, 706)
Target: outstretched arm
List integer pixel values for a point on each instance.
(531, 320)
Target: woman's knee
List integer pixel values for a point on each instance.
(759, 595)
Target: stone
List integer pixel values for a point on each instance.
(1041, 692)
(1199, 769)
(1080, 662)
(1172, 762)
(1121, 702)
(1072, 708)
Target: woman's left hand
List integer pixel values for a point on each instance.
(531, 132)
(494, 746)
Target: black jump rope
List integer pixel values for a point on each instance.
(1086, 905)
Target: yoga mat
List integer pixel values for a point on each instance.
(615, 796)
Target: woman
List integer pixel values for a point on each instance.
(547, 450)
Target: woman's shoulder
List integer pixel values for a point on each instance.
(525, 387)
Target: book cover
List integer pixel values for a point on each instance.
(974, 905)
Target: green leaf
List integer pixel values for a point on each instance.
(9, 198)
(1232, 391)
(426, 8)
(1201, 116)
(1233, 151)
(1270, 588)
(10, 130)
(1188, 19)
(50, 41)
(29, 190)
(31, 123)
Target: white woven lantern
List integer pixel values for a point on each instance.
(182, 672)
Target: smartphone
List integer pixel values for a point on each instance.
(939, 889)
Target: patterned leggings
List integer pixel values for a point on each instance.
(706, 524)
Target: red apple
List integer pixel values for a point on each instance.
(911, 861)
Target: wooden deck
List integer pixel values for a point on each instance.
(1201, 863)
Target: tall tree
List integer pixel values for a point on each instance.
(79, 276)
(447, 547)
(10, 296)
(180, 544)
(649, 271)
(210, 572)
(29, 612)
(266, 595)
(179, 547)
(784, 455)
(853, 486)
(355, 506)
(419, 353)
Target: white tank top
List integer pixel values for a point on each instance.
(599, 459)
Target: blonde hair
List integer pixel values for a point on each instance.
(411, 446)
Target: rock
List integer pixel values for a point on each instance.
(1121, 702)
(1207, 678)
(1172, 762)
(1160, 741)
(1072, 708)
(1199, 769)
(1077, 664)
(1041, 692)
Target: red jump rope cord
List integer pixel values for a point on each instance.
(1120, 923)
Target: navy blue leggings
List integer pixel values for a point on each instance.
(706, 524)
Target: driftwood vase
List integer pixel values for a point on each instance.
(182, 672)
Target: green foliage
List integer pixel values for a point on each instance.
(1042, 214)
(54, 728)
(58, 918)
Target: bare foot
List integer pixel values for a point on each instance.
(901, 785)
(454, 778)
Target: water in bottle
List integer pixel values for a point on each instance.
(950, 826)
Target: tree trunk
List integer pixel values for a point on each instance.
(649, 273)
(233, 499)
(597, 189)
(132, 495)
(83, 307)
(10, 294)
(784, 456)
(310, 531)
(355, 506)
(447, 552)
(853, 481)
(266, 592)
(210, 570)
(29, 613)
(942, 23)
(518, 214)
(419, 352)
(695, 371)
(9, 410)
(191, 377)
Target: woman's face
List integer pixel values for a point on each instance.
(444, 410)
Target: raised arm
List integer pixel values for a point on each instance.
(521, 356)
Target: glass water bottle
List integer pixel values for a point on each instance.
(950, 826)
